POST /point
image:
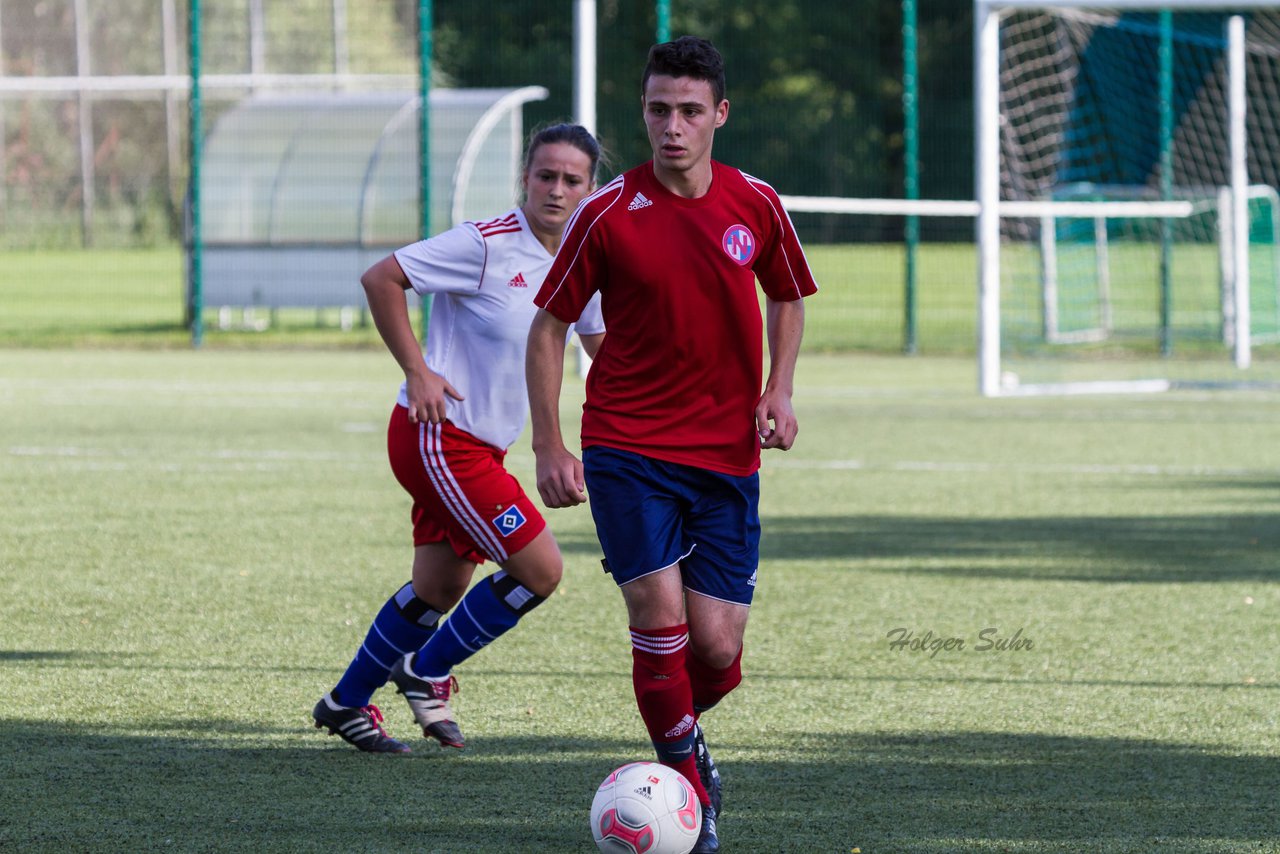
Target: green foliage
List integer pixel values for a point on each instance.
(138, 191)
(815, 88)
(808, 84)
(193, 545)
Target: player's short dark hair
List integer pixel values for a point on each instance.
(687, 56)
(575, 135)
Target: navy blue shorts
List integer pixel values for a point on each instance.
(651, 514)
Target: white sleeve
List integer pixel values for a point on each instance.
(451, 262)
(591, 321)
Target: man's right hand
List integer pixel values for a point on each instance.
(560, 479)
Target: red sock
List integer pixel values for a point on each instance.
(710, 684)
(661, 679)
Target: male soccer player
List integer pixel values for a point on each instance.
(675, 418)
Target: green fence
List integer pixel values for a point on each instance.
(94, 138)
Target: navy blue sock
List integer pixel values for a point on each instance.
(675, 752)
(404, 624)
(489, 609)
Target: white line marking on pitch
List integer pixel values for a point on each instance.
(269, 455)
(1056, 468)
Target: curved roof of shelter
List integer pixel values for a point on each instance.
(342, 167)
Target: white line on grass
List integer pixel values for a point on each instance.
(200, 388)
(240, 456)
(195, 395)
(101, 457)
(1053, 468)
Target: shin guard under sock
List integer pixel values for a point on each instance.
(710, 684)
(661, 680)
(403, 625)
(490, 609)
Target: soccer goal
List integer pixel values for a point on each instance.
(1128, 155)
(1075, 264)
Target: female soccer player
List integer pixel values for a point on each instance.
(459, 409)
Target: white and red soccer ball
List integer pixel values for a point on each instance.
(645, 808)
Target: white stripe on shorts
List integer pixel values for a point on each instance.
(433, 460)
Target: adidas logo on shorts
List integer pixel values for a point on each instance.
(638, 202)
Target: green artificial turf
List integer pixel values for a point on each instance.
(192, 545)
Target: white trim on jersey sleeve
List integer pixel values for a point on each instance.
(783, 219)
(451, 262)
(570, 236)
(591, 322)
(615, 185)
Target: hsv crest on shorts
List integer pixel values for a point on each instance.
(508, 521)
(739, 244)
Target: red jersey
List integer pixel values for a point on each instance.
(681, 368)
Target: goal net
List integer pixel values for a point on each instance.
(1126, 144)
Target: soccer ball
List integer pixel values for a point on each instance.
(645, 808)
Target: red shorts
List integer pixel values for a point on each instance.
(462, 495)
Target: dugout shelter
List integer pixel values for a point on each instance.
(301, 193)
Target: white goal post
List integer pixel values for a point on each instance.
(987, 151)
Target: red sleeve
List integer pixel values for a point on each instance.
(782, 268)
(578, 270)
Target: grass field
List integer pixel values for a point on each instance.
(135, 298)
(192, 545)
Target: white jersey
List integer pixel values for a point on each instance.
(484, 277)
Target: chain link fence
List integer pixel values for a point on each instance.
(93, 114)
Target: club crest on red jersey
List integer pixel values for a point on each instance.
(739, 244)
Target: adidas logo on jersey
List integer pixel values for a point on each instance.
(518, 281)
(638, 202)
